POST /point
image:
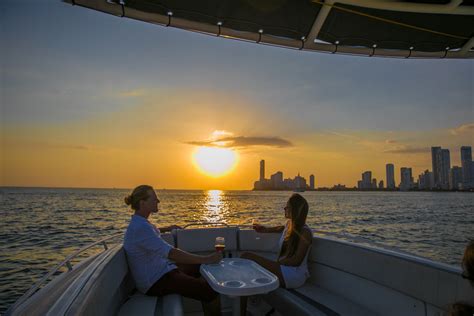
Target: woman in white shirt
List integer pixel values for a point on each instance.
(157, 267)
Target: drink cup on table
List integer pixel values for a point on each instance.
(220, 244)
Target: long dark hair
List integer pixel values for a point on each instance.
(468, 261)
(298, 210)
(140, 193)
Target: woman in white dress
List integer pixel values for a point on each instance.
(295, 243)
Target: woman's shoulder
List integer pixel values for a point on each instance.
(307, 233)
(307, 228)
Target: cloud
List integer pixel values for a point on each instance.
(408, 150)
(243, 141)
(132, 93)
(343, 135)
(75, 147)
(462, 129)
(390, 141)
(47, 145)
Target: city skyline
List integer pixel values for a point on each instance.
(445, 177)
(441, 177)
(88, 100)
(277, 181)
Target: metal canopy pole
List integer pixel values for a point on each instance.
(320, 19)
(453, 7)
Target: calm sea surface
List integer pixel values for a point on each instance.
(40, 227)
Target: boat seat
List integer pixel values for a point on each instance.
(201, 240)
(312, 300)
(140, 304)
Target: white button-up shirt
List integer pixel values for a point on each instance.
(147, 253)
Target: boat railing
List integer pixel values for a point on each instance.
(206, 223)
(66, 262)
(338, 235)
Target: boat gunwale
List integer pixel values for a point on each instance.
(361, 243)
(66, 262)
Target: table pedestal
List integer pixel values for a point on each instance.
(235, 305)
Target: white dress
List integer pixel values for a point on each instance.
(294, 276)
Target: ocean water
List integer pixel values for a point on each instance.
(40, 227)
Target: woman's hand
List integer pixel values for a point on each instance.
(259, 228)
(215, 257)
(169, 228)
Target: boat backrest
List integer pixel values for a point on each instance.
(250, 240)
(106, 289)
(382, 278)
(203, 239)
(169, 238)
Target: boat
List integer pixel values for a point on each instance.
(347, 278)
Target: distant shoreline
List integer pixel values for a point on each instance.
(256, 190)
(364, 190)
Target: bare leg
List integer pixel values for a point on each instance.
(212, 308)
(272, 266)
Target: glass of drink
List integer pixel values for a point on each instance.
(220, 244)
(254, 223)
(254, 226)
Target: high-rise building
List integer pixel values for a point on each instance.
(366, 180)
(441, 164)
(472, 175)
(406, 179)
(436, 165)
(262, 170)
(276, 180)
(299, 182)
(467, 171)
(445, 169)
(311, 182)
(381, 184)
(390, 170)
(455, 178)
(425, 180)
(374, 183)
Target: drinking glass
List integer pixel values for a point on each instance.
(254, 224)
(220, 244)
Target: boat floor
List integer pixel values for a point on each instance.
(256, 306)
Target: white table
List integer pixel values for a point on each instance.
(237, 277)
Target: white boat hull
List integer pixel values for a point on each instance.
(346, 278)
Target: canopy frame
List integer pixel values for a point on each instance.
(309, 42)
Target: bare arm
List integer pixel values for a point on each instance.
(181, 256)
(263, 229)
(166, 229)
(303, 245)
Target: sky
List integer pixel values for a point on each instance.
(93, 100)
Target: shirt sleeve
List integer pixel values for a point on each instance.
(151, 241)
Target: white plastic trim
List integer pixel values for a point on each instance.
(453, 7)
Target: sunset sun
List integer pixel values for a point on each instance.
(215, 162)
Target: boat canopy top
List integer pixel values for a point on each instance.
(386, 28)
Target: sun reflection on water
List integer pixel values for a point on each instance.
(215, 207)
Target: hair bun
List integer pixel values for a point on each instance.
(128, 200)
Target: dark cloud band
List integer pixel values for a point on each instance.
(243, 141)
